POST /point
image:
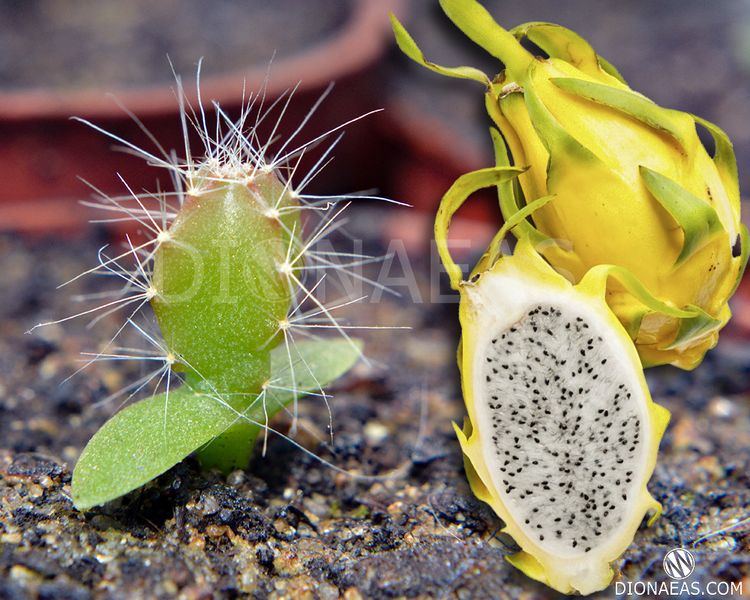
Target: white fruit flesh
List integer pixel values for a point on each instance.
(561, 411)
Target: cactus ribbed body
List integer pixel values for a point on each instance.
(222, 292)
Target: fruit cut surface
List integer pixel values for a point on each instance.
(562, 435)
(563, 423)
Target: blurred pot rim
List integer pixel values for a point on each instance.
(358, 42)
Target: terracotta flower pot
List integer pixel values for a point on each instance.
(44, 156)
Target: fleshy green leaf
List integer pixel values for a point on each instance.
(409, 47)
(633, 326)
(520, 216)
(493, 252)
(744, 240)
(150, 436)
(507, 194)
(629, 313)
(627, 101)
(561, 145)
(560, 42)
(697, 218)
(506, 197)
(597, 276)
(610, 69)
(694, 321)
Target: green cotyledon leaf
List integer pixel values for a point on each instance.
(150, 436)
(697, 218)
(306, 366)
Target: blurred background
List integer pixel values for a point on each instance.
(107, 60)
(99, 60)
(60, 58)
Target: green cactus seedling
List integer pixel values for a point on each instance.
(229, 271)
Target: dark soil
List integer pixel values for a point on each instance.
(290, 527)
(111, 44)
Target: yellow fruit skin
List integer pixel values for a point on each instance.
(527, 270)
(585, 138)
(501, 288)
(604, 213)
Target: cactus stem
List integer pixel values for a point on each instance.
(232, 449)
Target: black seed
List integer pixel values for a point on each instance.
(737, 247)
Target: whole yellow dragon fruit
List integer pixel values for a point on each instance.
(632, 182)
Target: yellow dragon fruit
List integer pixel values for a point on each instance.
(633, 184)
(561, 435)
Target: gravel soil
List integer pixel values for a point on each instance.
(290, 526)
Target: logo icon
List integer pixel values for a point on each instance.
(679, 563)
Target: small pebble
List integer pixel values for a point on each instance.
(722, 407)
(375, 432)
(23, 574)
